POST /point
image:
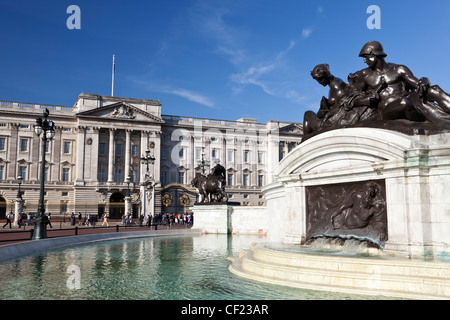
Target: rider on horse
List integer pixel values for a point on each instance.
(219, 172)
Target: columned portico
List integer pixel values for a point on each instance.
(124, 130)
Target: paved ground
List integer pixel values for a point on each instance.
(64, 229)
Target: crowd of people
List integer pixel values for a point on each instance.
(172, 218)
(160, 219)
(21, 220)
(90, 220)
(127, 219)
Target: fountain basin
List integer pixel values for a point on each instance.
(373, 275)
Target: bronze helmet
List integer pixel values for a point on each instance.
(373, 47)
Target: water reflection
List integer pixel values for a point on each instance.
(160, 268)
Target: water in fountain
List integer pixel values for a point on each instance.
(343, 246)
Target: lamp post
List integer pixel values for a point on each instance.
(147, 159)
(46, 128)
(149, 180)
(204, 162)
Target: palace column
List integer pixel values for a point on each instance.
(146, 197)
(127, 153)
(81, 155)
(111, 156)
(95, 136)
(13, 151)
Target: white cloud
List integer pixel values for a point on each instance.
(184, 93)
(252, 76)
(306, 32)
(192, 96)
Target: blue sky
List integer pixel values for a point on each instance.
(210, 58)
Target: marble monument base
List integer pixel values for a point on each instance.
(213, 218)
(412, 215)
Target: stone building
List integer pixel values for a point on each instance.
(93, 164)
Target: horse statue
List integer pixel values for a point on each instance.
(209, 189)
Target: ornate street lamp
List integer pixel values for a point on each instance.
(147, 159)
(19, 182)
(46, 128)
(149, 181)
(204, 162)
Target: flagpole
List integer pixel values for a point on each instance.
(113, 71)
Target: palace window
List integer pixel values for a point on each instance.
(181, 177)
(65, 175)
(163, 178)
(23, 172)
(260, 180)
(134, 176)
(2, 144)
(134, 150)
(230, 179)
(245, 180)
(246, 153)
(230, 156)
(66, 147)
(118, 175)
(102, 149)
(23, 145)
(118, 150)
(101, 175)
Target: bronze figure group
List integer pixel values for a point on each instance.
(211, 188)
(384, 94)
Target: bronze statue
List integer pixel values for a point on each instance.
(211, 188)
(405, 96)
(321, 73)
(219, 172)
(384, 95)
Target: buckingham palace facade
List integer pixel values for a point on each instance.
(94, 162)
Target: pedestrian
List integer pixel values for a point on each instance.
(72, 219)
(8, 221)
(105, 220)
(48, 220)
(80, 217)
(28, 219)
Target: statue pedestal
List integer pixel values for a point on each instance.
(213, 218)
(414, 171)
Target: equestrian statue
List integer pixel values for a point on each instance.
(211, 188)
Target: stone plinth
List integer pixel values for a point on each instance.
(414, 169)
(213, 218)
(231, 218)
